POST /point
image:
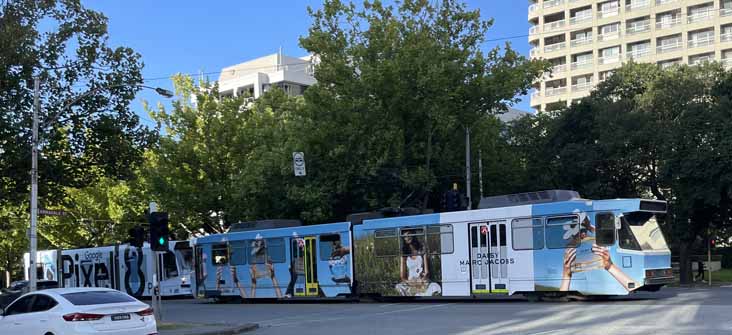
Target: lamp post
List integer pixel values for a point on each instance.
(34, 164)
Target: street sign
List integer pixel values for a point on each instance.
(50, 212)
(298, 163)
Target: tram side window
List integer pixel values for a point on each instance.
(440, 239)
(330, 247)
(562, 232)
(276, 250)
(605, 224)
(220, 253)
(626, 239)
(386, 243)
(527, 234)
(169, 265)
(270, 250)
(238, 250)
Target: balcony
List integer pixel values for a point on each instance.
(556, 25)
(534, 30)
(608, 12)
(727, 63)
(701, 16)
(555, 47)
(725, 12)
(580, 18)
(701, 41)
(533, 8)
(663, 2)
(559, 68)
(580, 41)
(553, 3)
(579, 87)
(726, 37)
(582, 64)
(553, 91)
(608, 59)
(637, 4)
(535, 94)
(665, 24)
(608, 36)
(669, 47)
(638, 28)
(534, 52)
(635, 54)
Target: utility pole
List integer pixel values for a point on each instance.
(480, 172)
(34, 184)
(709, 255)
(467, 167)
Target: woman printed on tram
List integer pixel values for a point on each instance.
(602, 254)
(414, 269)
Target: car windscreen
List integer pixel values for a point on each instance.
(97, 298)
(646, 230)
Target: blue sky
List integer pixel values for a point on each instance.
(205, 36)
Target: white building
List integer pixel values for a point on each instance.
(291, 74)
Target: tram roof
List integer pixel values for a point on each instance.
(276, 232)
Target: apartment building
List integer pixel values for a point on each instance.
(254, 77)
(585, 40)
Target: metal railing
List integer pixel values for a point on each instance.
(581, 64)
(725, 12)
(726, 62)
(534, 30)
(668, 47)
(559, 68)
(664, 24)
(533, 8)
(586, 86)
(608, 59)
(637, 4)
(663, 2)
(552, 3)
(534, 52)
(556, 25)
(701, 16)
(608, 12)
(725, 37)
(633, 54)
(580, 18)
(608, 36)
(580, 41)
(638, 28)
(701, 41)
(552, 91)
(555, 47)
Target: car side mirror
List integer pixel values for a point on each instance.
(617, 221)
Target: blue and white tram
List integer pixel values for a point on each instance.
(543, 243)
(606, 247)
(285, 262)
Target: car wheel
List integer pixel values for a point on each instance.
(49, 333)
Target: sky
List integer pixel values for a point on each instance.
(205, 36)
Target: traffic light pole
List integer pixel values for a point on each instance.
(155, 294)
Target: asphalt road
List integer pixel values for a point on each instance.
(697, 311)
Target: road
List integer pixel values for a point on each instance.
(671, 311)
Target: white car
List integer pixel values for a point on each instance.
(77, 311)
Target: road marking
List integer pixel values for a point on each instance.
(545, 332)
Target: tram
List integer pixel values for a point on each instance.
(122, 267)
(538, 243)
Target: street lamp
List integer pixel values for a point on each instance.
(34, 165)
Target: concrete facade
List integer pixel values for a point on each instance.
(255, 77)
(586, 39)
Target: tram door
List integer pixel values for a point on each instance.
(498, 257)
(480, 279)
(304, 259)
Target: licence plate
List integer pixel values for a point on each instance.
(120, 317)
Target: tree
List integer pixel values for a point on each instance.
(396, 87)
(223, 159)
(64, 44)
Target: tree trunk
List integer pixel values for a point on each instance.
(685, 272)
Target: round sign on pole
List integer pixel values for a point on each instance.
(298, 163)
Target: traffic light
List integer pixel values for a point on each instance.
(137, 236)
(159, 232)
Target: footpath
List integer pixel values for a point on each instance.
(203, 329)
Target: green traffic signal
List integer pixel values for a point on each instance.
(161, 241)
